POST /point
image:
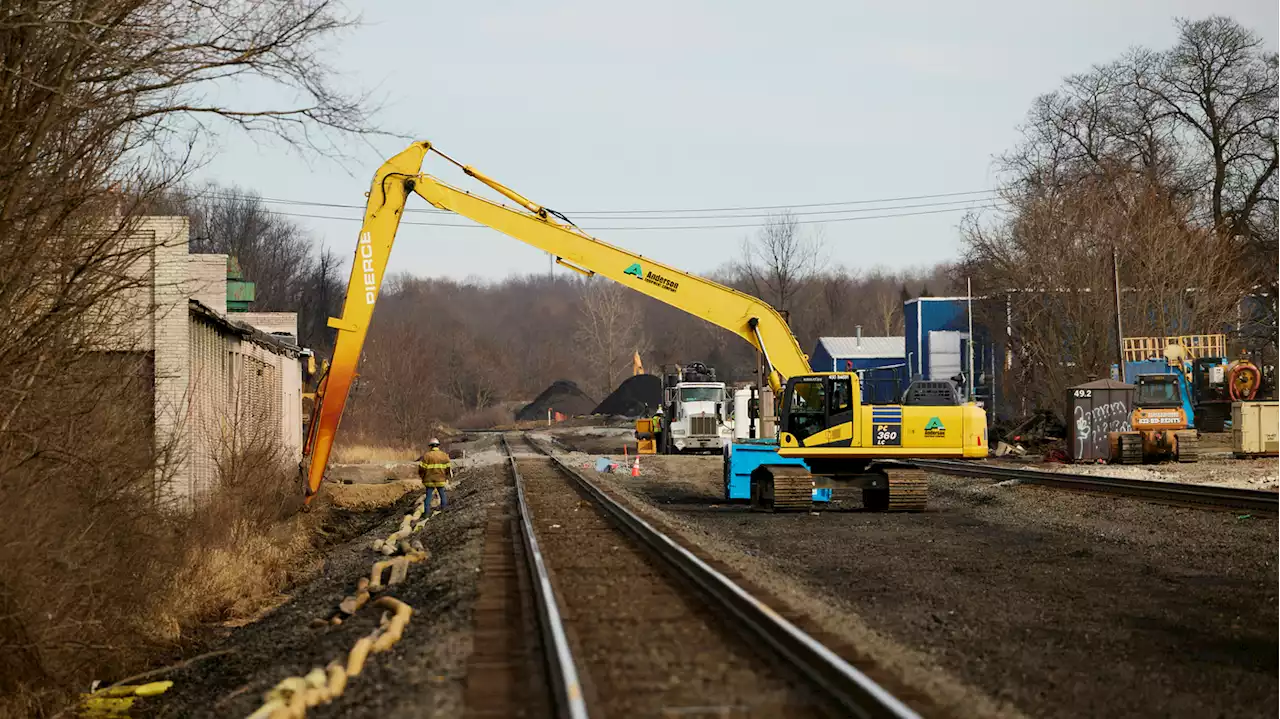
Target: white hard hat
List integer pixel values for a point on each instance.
(659, 410)
(433, 442)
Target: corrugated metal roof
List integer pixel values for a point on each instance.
(843, 347)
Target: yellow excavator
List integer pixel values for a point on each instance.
(822, 420)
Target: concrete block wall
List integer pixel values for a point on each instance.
(208, 281)
(269, 322)
(245, 397)
(172, 346)
(210, 379)
(208, 429)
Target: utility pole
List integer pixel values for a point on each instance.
(969, 291)
(1115, 270)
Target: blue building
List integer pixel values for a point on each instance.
(937, 345)
(880, 363)
(844, 354)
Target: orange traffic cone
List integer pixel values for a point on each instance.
(635, 468)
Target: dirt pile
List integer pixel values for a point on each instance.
(636, 397)
(563, 397)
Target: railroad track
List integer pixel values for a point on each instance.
(630, 623)
(1176, 493)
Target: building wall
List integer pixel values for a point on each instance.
(246, 397)
(208, 281)
(269, 322)
(171, 343)
(218, 385)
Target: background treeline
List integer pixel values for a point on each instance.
(1164, 158)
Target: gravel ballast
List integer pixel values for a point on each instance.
(1059, 604)
(645, 644)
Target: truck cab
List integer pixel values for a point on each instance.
(697, 411)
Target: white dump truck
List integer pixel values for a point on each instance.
(697, 411)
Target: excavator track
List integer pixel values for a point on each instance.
(908, 491)
(1188, 446)
(1129, 448)
(781, 488)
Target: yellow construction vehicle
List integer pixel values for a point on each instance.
(823, 420)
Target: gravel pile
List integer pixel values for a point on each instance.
(637, 396)
(562, 396)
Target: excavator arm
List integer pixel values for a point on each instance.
(748, 317)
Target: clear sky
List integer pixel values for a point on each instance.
(587, 105)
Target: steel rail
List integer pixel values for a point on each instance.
(566, 686)
(1196, 495)
(852, 692)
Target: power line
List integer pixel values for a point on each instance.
(653, 227)
(974, 196)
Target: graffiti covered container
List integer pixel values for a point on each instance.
(1095, 409)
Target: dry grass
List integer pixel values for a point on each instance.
(369, 453)
(238, 575)
(369, 497)
(95, 586)
(486, 418)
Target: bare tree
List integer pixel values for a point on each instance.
(1062, 309)
(107, 104)
(609, 332)
(1220, 87)
(776, 264)
(271, 250)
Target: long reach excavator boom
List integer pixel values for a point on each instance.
(740, 313)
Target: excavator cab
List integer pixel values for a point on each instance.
(814, 404)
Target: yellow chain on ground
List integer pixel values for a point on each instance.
(114, 702)
(292, 696)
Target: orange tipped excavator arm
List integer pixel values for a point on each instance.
(748, 317)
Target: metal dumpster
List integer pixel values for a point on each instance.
(1255, 428)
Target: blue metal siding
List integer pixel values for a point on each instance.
(857, 363)
(927, 314)
(884, 385)
(820, 360)
(911, 321)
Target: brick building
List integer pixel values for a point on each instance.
(221, 385)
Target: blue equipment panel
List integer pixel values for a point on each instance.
(743, 456)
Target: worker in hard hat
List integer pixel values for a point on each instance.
(436, 469)
(658, 427)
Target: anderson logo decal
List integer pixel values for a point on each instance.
(934, 428)
(652, 278)
(365, 251)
